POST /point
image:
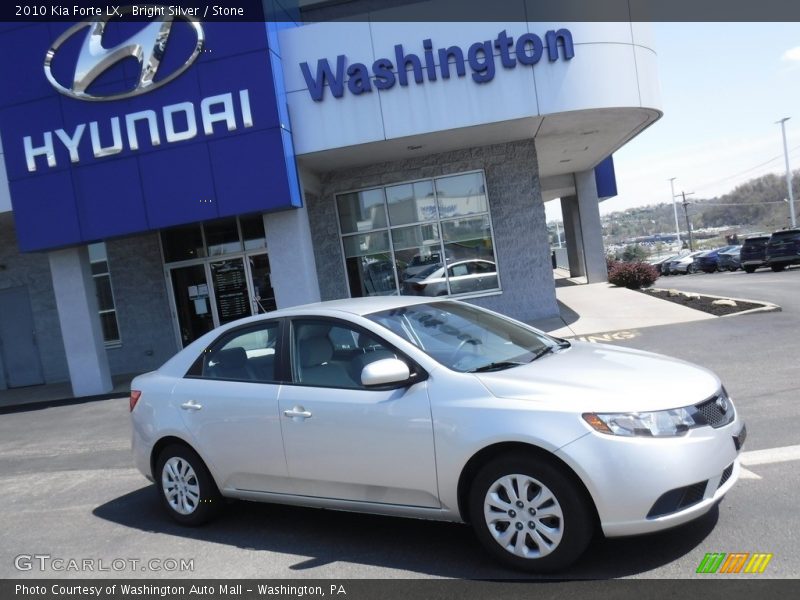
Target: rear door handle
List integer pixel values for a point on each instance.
(298, 412)
(191, 405)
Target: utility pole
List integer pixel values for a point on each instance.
(675, 210)
(782, 123)
(688, 224)
(558, 234)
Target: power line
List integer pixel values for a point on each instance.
(740, 173)
(699, 205)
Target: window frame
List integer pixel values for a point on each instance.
(115, 343)
(437, 221)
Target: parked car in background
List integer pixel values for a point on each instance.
(436, 410)
(708, 261)
(730, 259)
(685, 264)
(754, 253)
(783, 249)
(659, 263)
(466, 276)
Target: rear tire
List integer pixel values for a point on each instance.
(185, 486)
(749, 269)
(529, 514)
(777, 268)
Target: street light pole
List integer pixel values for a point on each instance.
(686, 214)
(782, 123)
(675, 210)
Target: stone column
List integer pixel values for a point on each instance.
(573, 235)
(594, 254)
(291, 257)
(76, 302)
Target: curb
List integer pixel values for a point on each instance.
(6, 409)
(764, 308)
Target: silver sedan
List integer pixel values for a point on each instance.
(437, 410)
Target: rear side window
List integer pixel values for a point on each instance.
(242, 355)
(782, 236)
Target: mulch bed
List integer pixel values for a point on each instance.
(703, 303)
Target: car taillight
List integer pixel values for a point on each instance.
(135, 395)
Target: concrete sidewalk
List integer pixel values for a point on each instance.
(585, 309)
(601, 307)
(58, 393)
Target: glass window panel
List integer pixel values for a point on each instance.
(411, 203)
(105, 299)
(97, 252)
(253, 232)
(371, 275)
(262, 284)
(461, 195)
(108, 322)
(366, 243)
(99, 268)
(222, 237)
(361, 211)
(182, 243)
(418, 256)
(466, 229)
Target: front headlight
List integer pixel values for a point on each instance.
(661, 423)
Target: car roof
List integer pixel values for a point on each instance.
(354, 306)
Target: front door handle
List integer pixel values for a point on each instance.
(191, 405)
(298, 412)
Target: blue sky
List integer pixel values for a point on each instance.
(723, 86)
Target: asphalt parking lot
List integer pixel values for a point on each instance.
(68, 488)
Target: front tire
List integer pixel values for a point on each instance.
(185, 486)
(777, 268)
(749, 269)
(529, 514)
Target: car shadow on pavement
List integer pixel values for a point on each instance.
(425, 547)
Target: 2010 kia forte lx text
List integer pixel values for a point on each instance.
(437, 410)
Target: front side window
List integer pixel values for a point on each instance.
(244, 355)
(332, 354)
(465, 338)
(408, 238)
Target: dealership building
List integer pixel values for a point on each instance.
(161, 178)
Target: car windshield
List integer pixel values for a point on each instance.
(465, 338)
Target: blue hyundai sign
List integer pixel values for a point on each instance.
(112, 127)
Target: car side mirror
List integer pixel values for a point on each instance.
(385, 372)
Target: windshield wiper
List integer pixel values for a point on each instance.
(496, 366)
(542, 351)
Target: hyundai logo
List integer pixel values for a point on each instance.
(147, 46)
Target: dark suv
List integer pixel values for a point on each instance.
(783, 249)
(754, 253)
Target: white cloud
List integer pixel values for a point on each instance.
(792, 54)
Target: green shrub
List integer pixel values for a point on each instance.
(632, 275)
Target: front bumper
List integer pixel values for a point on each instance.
(626, 477)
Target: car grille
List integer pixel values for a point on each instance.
(713, 414)
(726, 474)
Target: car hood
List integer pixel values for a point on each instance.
(600, 377)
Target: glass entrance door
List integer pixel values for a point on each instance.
(192, 302)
